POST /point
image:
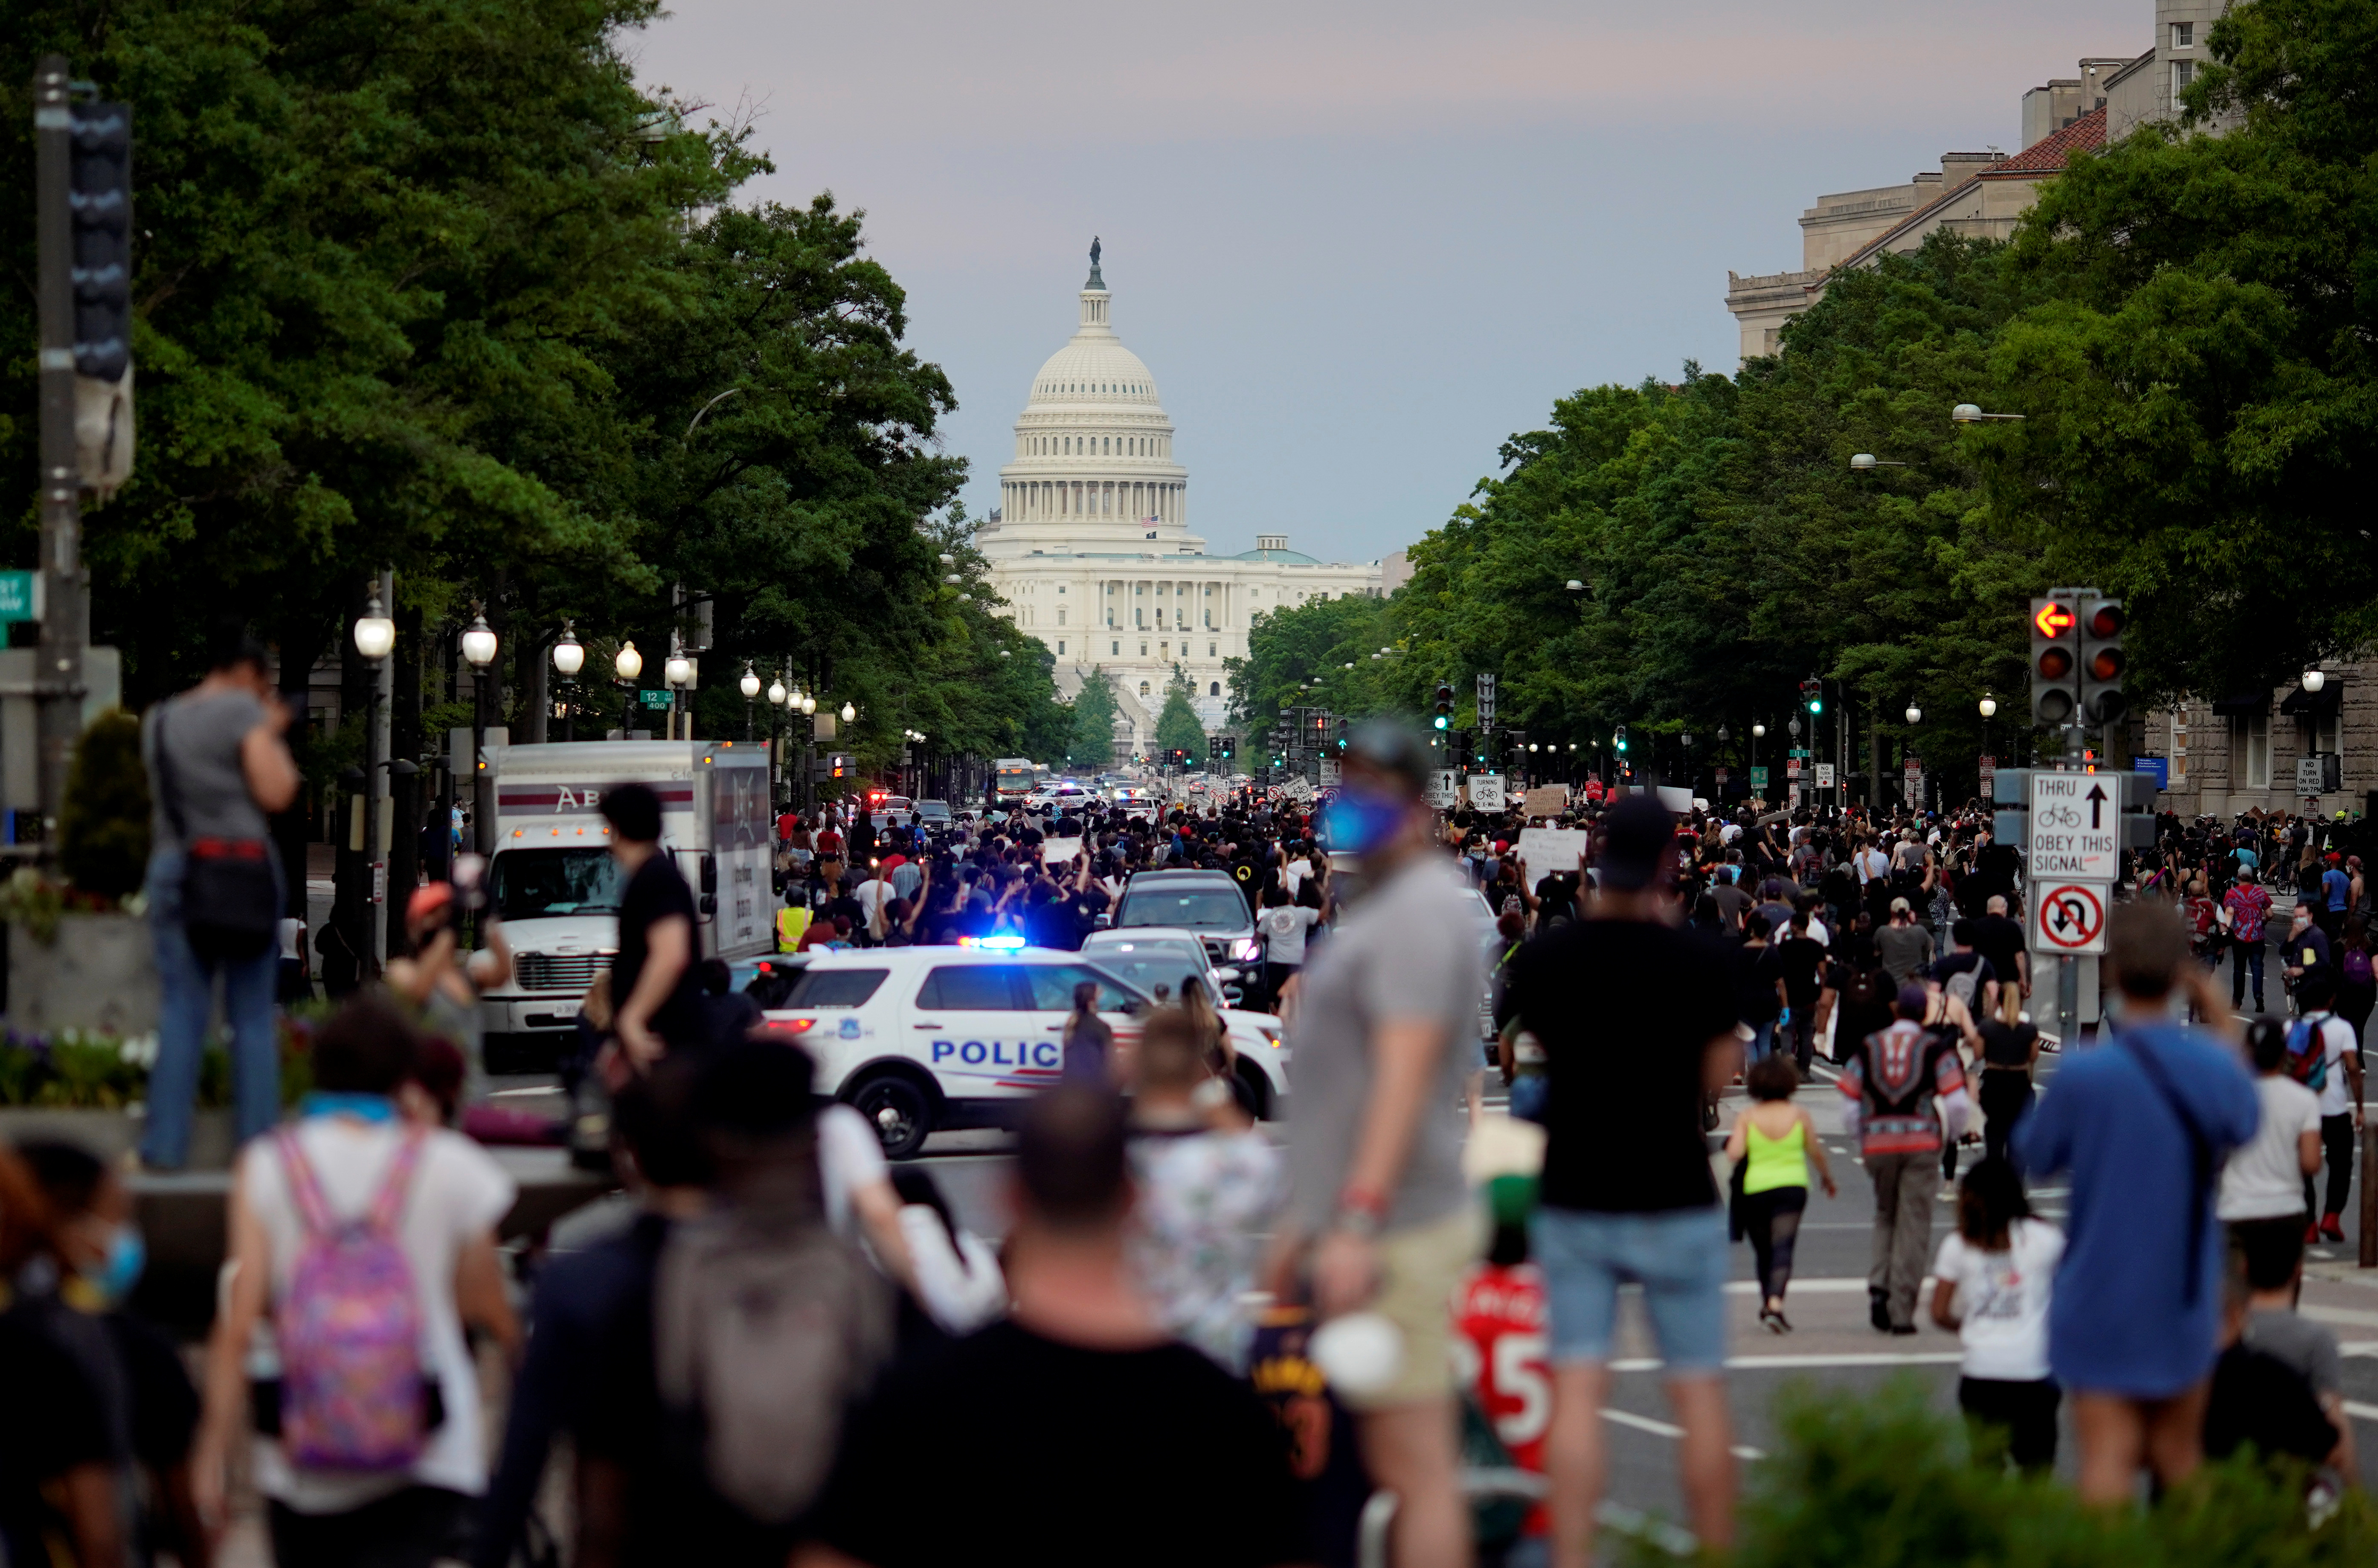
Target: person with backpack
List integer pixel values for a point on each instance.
(367, 1244)
(1891, 1079)
(2325, 1057)
(2143, 1125)
(218, 767)
(1160, 1457)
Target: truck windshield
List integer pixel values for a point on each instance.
(534, 884)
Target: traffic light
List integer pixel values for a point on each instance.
(1213, 750)
(1444, 705)
(2102, 660)
(2055, 661)
(1812, 696)
(1345, 727)
(1229, 747)
(1618, 741)
(99, 196)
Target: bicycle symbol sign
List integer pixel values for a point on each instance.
(2070, 918)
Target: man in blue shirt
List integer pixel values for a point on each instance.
(2143, 1124)
(2337, 895)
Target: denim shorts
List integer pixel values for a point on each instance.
(1678, 1256)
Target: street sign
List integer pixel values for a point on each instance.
(1824, 775)
(1792, 769)
(1328, 771)
(2069, 919)
(2312, 775)
(1796, 751)
(1758, 781)
(1486, 791)
(20, 596)
(1989, 772)
(1445, 789)
(659, 699)
(2076, 827)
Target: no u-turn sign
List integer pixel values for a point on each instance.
(2070, 918)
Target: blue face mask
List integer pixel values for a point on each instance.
(127, 1254)
(1359, 823)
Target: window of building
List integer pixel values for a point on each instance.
(1061, 588)
(1164, 650)
(2250, 750)
(1215, 690)
(1061, 645)
(1143, 685)
(1115, 650)
(1143, 649)
(2183, 35)
(1211, 651)
(2327, 732)
(1060, 615)
(2182, 72)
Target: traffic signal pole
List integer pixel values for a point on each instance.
(66, 604)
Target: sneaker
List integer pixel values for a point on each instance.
(1902, 1328)
(2331, 1228)
(2312, 1234)
(1878, 1309)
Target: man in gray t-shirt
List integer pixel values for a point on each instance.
(1385, 1037)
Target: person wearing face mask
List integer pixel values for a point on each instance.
(98, 1255)
(1384, 1009)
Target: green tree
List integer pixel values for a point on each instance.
(1092, 742)
(1177, 727)
(1297, 650)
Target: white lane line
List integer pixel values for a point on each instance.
(1807, 1286)
(2347, 1317)
(1808, 1363)
(2353, 1408)
(1669, 1430)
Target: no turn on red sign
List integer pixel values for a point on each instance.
(2069, 919)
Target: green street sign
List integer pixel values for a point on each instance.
(20, 596)
(1758, 779)
(1797, 751)
(653, 698)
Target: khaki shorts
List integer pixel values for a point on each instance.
(1420, 1266)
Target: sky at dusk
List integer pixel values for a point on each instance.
(1358, 244)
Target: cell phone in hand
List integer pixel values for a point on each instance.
(470, 881)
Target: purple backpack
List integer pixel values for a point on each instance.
(352, 1386)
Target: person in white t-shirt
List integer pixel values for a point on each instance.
(2340, 1097)
(2267, 1181)
(347, 1145)
(1992, 1283)
(1284, 925)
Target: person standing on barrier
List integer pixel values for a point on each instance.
(217, 766)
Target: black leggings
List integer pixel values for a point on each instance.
(1771, 1219)
(411, 1529)
(2025, 1411)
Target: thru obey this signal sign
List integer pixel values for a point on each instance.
(2070, 918)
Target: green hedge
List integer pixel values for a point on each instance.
(1888, 1482)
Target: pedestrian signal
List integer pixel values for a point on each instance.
(2055, 661)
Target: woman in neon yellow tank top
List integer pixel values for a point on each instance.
(1772, 1144)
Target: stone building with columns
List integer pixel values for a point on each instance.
(1090, 548)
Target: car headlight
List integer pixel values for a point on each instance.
(1248, 950)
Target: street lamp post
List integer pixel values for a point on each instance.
(375, 636)
(627, 667)
(479, 651)
(568, 658)
(750, 688)
(679, 673)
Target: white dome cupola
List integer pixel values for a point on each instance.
(1094, 446)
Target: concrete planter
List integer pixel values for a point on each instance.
(100, 973)
(111, 1134)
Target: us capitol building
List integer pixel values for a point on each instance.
(1090, 545)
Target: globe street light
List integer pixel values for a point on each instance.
(375, 636)
(1865, 462)
(479, 649)
(1914, 713)
(374, 633)
(1968, 413)
(849, 711)
(628, 668)
(777, 693)
(750, 685)
(2314, 678)
(568, 658)
(1989, 705)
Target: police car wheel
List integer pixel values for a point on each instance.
(901, 1113)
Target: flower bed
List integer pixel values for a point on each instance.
(81, 1069)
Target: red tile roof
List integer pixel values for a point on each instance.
(2050, 152)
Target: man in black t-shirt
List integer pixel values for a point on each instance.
(1127, 1437)
(657, 1002)
(1801, 960)
(1638, 1022)
(1998, 938)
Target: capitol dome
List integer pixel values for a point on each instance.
(1094, 446)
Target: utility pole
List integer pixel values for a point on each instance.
(65, 610)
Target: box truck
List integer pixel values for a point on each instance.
(553, 882)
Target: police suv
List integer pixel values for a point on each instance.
(923, 1039)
